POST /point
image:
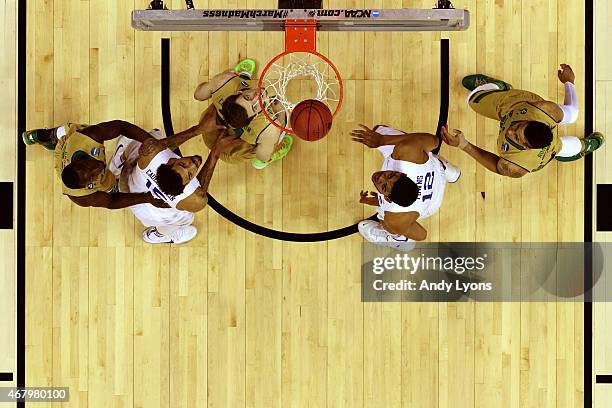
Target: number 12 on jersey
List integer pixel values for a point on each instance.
(428, 186)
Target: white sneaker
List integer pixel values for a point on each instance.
(451, 171)
(184, 234)
(180, 236)
(374, 232)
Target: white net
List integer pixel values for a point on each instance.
(296, 77)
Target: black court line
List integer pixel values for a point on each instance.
(21, 194)
(444, 85)
(271, 233)
(603, 218)
(6, 377)
(589, 21)
(6, 213)
(165, 86)
(603, 379)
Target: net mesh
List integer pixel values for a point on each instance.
(299, 67)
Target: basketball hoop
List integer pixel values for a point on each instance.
(299, 62)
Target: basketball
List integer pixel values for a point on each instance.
(239, 238)
(311, 120)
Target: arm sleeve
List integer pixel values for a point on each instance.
(570, 105)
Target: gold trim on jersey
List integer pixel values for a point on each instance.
(511, 107)
(250, 133)
(75, 143)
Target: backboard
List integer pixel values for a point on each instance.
(326, 19)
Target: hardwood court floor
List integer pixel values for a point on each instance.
(602, 323)
(233, 319)
(8, 248)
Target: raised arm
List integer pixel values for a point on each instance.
(110, 130)
(373, 139)
(570, 101)
(174, 141)
(570, 104)
(490, 161)
(115, 201)
(567, 112)
(368, 198)
(266, 143)
(208, 123)
(153, 146)
(205, 175)
(205, 89)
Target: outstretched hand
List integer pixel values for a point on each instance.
(225, 143)
(455, 138)
(365, 199)
(367, 136)
(566, 74)
(208, 123)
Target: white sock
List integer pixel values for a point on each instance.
(485, 87)
(570, 146)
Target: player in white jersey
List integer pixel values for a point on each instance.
(153, 166)
(410, 185)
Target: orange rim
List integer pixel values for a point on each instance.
(263, 75)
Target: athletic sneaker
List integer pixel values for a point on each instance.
(451, 172)
(591, 143)
(180, 236)
(32, 137)
(472, 82)
(374, 232)
(280, 151)
(245, 68)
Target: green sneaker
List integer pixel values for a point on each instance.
(43, 137)
(245, 68)
(591, 143)
(280, 151)
(472, 82)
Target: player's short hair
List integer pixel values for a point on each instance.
(169, 181)
(538, 135)
(70, 177)
(235, 115)
(404, 192)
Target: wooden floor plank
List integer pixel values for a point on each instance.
(236, 319)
